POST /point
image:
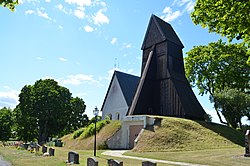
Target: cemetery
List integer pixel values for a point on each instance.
(153, 119)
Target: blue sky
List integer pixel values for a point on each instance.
(79, 43)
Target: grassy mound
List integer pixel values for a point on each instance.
(80, 143)
(177, 134)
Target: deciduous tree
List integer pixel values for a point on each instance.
(233, 104)
(214, 67)
(9, 4)
(229, 18)
(5, 123)
(46, 110)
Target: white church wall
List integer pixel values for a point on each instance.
(115, 105)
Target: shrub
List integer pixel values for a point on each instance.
(78, 132)
(90, 130)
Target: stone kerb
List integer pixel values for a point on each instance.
(92, 162)
(148, 163)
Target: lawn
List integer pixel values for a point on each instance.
(25, 158)
(172, 139)
(212, 157)
(215, 157)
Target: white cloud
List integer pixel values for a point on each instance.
(114, 40)
(39, 58)
(59, 6)
(29, 11)
(103, 4)
(39, 12)
(60, 27)
(79, 2)
(62, 8)
(88, 28)
(180, 2)
(78, 79)
(9, 98)
(63, 59)
(75, 80)
(128, 45)
(48, 1)
(79, 13)
(169, 15)
(100, 18)
(43, 14)
(167, 10)
(190, 6)
(183, 6)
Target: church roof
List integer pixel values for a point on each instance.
(159, 31)
(128, 84)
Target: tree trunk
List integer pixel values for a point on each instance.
(218, 113)
(240, 124)
(43, 134)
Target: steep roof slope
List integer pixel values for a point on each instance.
(159, 31)
(128, 84)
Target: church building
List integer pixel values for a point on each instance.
(162, 89)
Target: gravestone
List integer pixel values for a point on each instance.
(26, 145)
(148, 163)
(37, 147)
(44, 149)
(58, 143)
(73, 157)
(51, 152)
(112, 162)
(92, 162)
(247, 144)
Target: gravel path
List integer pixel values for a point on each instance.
(3, 162)
(119, 153)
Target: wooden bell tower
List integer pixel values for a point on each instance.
(163, 88)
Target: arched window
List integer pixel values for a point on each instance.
(118, 115)
(110, 116)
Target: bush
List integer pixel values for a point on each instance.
(78, 132)
(90, 130)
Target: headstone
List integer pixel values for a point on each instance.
(44, 149)
(58, 143)
(26, 145)
(92, 162)
(112, 162)
(247, 144)
(73, 157)
(37, 147)
(51, 152)
(148, 163)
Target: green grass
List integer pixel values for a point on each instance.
(211, 157)
(177, 134)
(172, 139)
(87, 143)
(25, 158)
(214, 157)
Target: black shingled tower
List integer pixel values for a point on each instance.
(163, 88)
